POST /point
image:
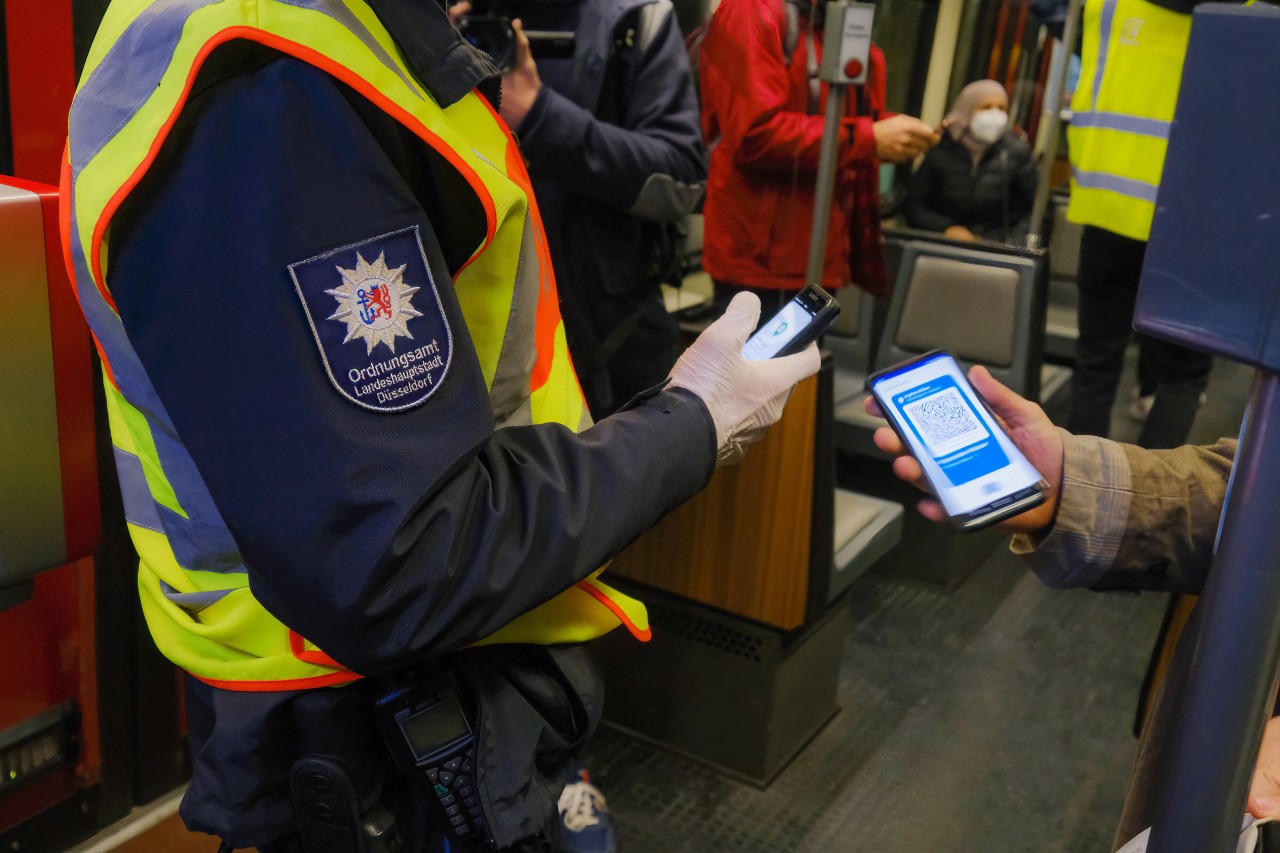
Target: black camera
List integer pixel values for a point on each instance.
(495, 36)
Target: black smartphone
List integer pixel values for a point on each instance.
(973, 467)
(797, 325)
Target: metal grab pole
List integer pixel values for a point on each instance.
(1206, 770)
(826, 185)
(1053, 103)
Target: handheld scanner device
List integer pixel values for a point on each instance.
(797, 325)
(431, 736)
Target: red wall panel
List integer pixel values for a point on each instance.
(47, 651)
(41, 83)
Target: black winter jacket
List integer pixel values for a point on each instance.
(992, 199)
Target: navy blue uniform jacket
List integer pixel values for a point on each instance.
(615, 150)
(384, 538)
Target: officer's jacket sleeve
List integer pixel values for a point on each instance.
(649, 160)
(379, 536)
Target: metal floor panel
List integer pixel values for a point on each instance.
(994, 717)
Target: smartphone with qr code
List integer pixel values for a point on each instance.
(973, 467)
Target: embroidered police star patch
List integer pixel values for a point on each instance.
(376, 315)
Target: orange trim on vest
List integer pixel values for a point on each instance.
(282, 684)
(325, 64)
(64, 230)
(298, 646)
(599, 595)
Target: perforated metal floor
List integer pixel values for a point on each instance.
(992, 718)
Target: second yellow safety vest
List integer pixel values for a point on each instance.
(1121, 112)
(139, 73)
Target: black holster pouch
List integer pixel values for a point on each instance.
(337, 783)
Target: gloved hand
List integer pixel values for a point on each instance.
(744, 397)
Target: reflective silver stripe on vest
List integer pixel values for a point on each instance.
(1140, 190)
(139, 506)
(1126, 123)
(133, 67)
(339, 11)
(510, 393)
(127, 76)
(1105, 20)
(194, 602)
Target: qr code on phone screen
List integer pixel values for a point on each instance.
(943, 417)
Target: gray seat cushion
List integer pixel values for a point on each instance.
(967, 308)
(853, 513)
(866, 529)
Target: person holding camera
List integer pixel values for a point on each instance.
(609, 129)
(370, 506)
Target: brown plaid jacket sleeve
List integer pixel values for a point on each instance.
(1132, 519)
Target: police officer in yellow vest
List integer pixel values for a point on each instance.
(1130, 72)
(349, 438)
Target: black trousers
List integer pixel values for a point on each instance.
(1110, 268)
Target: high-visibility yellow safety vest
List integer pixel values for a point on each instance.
(194, 587)
(1130, 73)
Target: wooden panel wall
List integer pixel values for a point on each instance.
(742, 544)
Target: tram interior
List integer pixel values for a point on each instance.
(954, 702)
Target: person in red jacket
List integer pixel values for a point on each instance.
(762, 113)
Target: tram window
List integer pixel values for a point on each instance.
(904, 30)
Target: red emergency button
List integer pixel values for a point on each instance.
(853, 68)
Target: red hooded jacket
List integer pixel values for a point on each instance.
(756, 112)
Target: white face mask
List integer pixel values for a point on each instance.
(987, 125)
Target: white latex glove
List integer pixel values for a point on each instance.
(744, 397)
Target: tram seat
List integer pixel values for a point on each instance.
(1061, 329)
(866, 529)
(850, 340)
(980, 303)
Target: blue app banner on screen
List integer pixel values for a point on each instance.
(946, 422)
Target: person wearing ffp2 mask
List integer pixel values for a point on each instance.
(979, 183)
